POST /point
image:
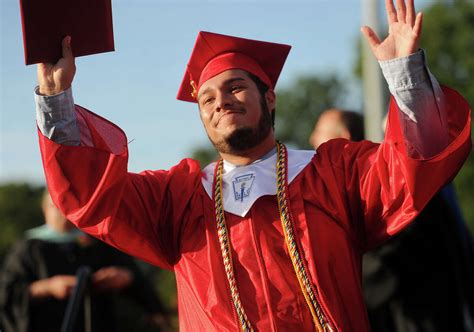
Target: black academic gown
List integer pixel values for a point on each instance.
(34, 259)
(422, 280)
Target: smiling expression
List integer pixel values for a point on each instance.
(233, 112)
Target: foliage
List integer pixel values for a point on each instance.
(20, 209)
(299, 106)
(205, 155)
(448, 39)
(464, 186)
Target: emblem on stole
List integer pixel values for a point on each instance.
(242, 186)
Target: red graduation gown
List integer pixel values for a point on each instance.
(349, 198)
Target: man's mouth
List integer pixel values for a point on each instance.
(229, 113)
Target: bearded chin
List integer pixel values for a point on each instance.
(243, 139)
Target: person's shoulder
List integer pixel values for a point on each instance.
(26, 245)
(25, 250)
(339, 147)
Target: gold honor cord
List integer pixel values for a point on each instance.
(319, 320)
(225, 248)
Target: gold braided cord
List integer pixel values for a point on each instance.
(317, 314)
(223, 235)
(319, 320)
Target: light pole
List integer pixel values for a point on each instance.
(372, 77)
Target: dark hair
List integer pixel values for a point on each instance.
(354, 122)
(262, 89)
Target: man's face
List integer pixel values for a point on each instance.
(234, 114)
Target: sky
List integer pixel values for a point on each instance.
(135, 86)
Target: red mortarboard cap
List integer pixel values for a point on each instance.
(215, 53)
(46, 22)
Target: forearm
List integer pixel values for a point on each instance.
(56, 117)
(421, 101)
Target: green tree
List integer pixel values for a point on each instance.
(448, 38)
(299, 105)
(205, 154)
(20, 209)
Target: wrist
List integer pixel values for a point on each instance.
(45, 90)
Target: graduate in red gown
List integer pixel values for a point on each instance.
(267, 238)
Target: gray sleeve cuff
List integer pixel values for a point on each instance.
(405, 72)
(421, 102)
(411, 84)
(56, 117)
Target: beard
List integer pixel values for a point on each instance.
(245, 138)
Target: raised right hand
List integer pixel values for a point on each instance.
(55, 78)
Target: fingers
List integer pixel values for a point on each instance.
(405, 13)
(411, 13)
(418, 24)
(67, 49)
(401, 11)
(391, 13)
(371, 37)
(42, 69)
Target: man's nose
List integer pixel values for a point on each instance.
(224, 101)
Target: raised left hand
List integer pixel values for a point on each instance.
(404, 30)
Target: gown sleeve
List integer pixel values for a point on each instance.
(140, 214)
(381, 188)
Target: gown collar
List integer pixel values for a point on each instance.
(243, 185)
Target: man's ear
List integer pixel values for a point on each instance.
(270, 98)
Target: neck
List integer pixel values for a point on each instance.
(249, 156)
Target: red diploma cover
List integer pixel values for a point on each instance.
(45, 23)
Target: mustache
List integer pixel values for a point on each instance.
(235, 109)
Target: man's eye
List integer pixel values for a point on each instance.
(208, 100)
(236, 88)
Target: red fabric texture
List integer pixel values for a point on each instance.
(233, 61)
(269, 57)
(349, 198)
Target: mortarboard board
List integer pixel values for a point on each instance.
(46, 22)
(215, 53)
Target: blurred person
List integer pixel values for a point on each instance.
(337, 123)
(422, 279)
(266, 238)
(38, 278)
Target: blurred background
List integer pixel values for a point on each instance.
(135, 86)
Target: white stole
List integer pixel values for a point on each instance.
(243, 185)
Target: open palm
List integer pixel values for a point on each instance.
(403, 33)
